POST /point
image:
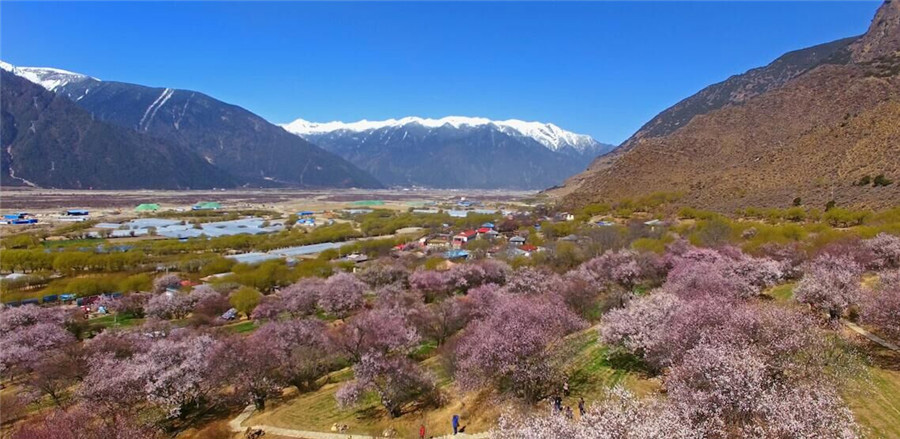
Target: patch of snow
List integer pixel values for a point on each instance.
(153, 108)
(46, 77)
(12, 172)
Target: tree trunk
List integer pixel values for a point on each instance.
(56, 399)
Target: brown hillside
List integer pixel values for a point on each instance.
(812, 137)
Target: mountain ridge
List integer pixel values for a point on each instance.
(548, 134)
(48, 141)
(256, 152)
(810, 133)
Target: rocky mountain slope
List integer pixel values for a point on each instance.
(49, 141)
(254, 151)
(812, 125)
(456, 152)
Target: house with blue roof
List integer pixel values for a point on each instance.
(456, 254)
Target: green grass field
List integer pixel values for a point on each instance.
(113, 321)
(783, 292)
(876, 401)
(19, 295)
(591, 373)
(244, 327)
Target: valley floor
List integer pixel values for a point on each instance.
(52, 200)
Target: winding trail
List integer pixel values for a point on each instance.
(236, 425)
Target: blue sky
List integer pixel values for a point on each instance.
(601, 68)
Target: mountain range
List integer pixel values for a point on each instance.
(813, 125)
(223, 145)
(235, 146)
(456, 152)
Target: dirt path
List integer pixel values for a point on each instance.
(855, 328)
(236, 425)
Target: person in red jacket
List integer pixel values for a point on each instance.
(422, 431)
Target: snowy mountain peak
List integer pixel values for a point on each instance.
(547, 134)
(46, 77)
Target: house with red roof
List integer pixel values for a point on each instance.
(464, 237)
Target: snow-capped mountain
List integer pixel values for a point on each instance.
(49, 141)
(49, 78)
(234, 145)
(547, 134)
(455, 151)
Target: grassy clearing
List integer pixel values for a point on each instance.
(875, 401)
(591, 373)
(782, 293)
(245, 327)
(113, 321)
(878, 409)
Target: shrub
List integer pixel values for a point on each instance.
(245, 299)
(795, 214)
(137, 282)
(880, 180)
(840, 217)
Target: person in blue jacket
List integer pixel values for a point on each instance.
(455, 423)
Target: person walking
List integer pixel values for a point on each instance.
(422, 431)
(455, 424)
(581, 407)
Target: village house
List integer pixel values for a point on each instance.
(357, 211)
(207, 205)
(654, 223)
(146, 207)
(563, 216)
(462, 238)
(522, 251)
(18, 218)
(357, 259)
(486, 233)
(439, 242)
(306, 222)
(456, 255)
